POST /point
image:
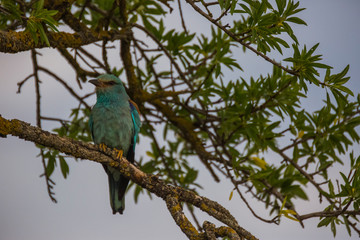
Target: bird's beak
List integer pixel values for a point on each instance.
(96, 82)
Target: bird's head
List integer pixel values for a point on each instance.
(107, 85)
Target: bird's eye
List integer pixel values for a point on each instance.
(111, 83)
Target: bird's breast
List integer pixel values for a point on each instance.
(113, 126)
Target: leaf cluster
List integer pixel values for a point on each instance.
(39, 20)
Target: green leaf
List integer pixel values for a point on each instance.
(231, 195)
(281, 5)
(137, 192)
(347, 225)
(326, 221)
(191, 176)
(331, 188)
(333, 227)
(296, 20)
(43, 36)
(344, 89)
(50, 165)
(64, 166)
(39, 4)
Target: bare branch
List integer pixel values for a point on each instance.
(67, 87)
(49, 182)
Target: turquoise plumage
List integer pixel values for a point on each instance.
(115, 122)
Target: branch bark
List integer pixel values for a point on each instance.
(14, 42)
(152, 183)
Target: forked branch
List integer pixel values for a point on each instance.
(171, 194)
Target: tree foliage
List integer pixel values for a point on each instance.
(189, 87)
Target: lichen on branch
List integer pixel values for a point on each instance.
(14, 42)
(171, 194)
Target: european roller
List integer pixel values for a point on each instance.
(115, 123)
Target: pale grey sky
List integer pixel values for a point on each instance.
(83, 210)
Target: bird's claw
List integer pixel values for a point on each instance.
(120, 153)
(102, 147)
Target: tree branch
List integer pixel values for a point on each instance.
(330, 214)
(14, 42)
(91, 152)
(179, 217)
(235, 38)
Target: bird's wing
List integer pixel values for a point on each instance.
(91, 124)
(135, 114)
(137, 124)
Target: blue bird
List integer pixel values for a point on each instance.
(114, 122)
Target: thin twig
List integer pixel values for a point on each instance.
(235, 38)
(182, 17)
(172, 60)
(67, 87)
(48, 181)
(20, 84)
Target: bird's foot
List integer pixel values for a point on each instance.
(102, 147)
(119, 153)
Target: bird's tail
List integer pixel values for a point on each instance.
(117, 189)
